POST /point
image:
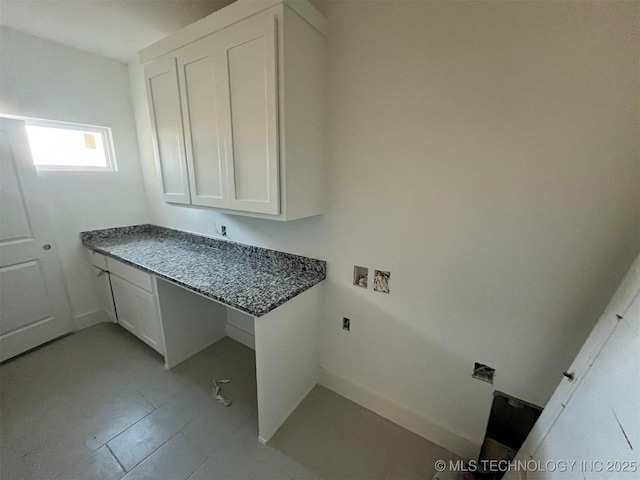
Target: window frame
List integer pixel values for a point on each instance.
(104, 132)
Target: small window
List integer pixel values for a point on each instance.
(70, 146)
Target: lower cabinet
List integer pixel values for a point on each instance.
(128, 295)
(137, 311)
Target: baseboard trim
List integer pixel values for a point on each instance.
(91, 318)
(399, 414)
(241, 336)
(266, 438)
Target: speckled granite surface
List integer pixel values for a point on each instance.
(252, 279)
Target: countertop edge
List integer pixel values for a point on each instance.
(256, 313)
(90, 236)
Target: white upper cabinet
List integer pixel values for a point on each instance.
(199, 90)
(249, 98)
(164, 107)
(237, 103)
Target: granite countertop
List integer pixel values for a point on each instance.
(251, 279)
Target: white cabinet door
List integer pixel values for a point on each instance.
(204, 146)
(249, 106)
(137, 311)
(166, 121)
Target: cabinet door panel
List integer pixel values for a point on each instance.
(149, 329)
(125, 304)
(203, 142)
(166, 121)
(250, 103)
(137, 311)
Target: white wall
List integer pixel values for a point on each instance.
(487, 155)
(43, 79)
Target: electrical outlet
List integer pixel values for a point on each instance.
(346, 324)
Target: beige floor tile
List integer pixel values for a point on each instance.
(219, 468)
(175, 460)
(100, 465)
(50, 459)
(49, 389)
(210, 364)
(140, 440)
(213, 427)
(62, 449)
(366, 450)
(419, 455)
(58, 412)
(114, 418)
(120, 378)
(308, 440)
(324, 405)
(281, 467)
(241, 457)
(159, 391)
(400, 472)
(355, 468)
(243, 393)
(24, 430)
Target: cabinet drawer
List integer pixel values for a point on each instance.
(97, 259)
(130, 274)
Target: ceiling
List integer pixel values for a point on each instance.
(116, 29)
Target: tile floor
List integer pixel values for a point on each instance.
(99, 404)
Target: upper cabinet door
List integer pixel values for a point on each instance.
(166, 121)
(249, 100)
(204, 146)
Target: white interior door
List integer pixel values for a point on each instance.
(204, 143)
(34, 307)
(249, 102)
(600, 426)
(593, 418)
(166, 121)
